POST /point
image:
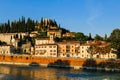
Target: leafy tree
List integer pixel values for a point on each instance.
(91, 50)
(57, 39)
(107, 49)
(90, 37)
(105, 38)
(63, 30)
(8, 26)
(115, 41)
(41, 34)
(103, 50)
(81, 37)
(30, 25)
(2, 43)
(18, 26)
(99, 48)
(98, 37)
(68, 38)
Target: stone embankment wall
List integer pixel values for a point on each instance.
(46, 61)
(76, 63)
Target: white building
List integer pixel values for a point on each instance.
(45, 40)
(46, 50)
(85, 54)
(6, 49)
(105, 56)
(84, 51)
(45, 47)
(6, 37)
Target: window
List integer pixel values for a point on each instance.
(20, 57)
(82, 55)
(72, 50)
(11, 57)
(54, 54)
(54, 47)
(50, 50)
(87, 55)
(58, 50)
(82, 51)
(26, 58)
(50, 46)
(50, 53)
(54, 50)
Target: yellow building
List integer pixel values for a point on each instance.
(69, 34)
(56, 32)
(33, 33)
(73, 48)
(68, 49)
(62, 49)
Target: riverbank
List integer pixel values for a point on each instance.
(76, 63)
(13, 72)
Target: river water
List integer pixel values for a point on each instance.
(9, 72)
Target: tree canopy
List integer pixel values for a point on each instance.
(98, 37)
(28, 25)
(115, 41)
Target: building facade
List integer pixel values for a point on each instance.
(85, 54)
(46, 50)
(56, 32)
(26, 48)
(6, 37)
(6, 49)
(68, 49)
(49, 40)
(62, 49)
(69, 34)
(45, 47)
(72, 48)
(84, 51)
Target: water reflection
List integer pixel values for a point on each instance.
(9, 72)
(29, 73)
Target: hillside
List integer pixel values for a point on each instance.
(28, 25)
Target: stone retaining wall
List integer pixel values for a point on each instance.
(76, 63)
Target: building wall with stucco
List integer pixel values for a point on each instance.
(46, 50)
(83, 51)
(62, 49)
(6, 49)
(6, 37)
(57, 33)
